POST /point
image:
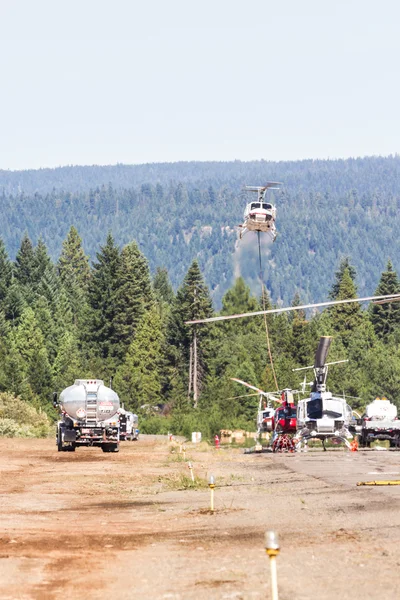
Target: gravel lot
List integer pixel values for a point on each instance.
(94, 525)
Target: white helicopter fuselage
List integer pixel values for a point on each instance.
(323, 416)
(260, 216)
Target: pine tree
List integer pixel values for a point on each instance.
(46, 323)
(25, 263)
(192, 302)
(346, 317)
(100, 327)
(29, 341)
(133, 296)
(4, 347)
(138, 380)
(73, 264)
(49, 286)
(238, 299)
(74, 271)
(162, 286)
(386, 317)
(5, 274)
(15, 369)
(14, 303)
(344, 264)
(40, 375)
(42, 262)
(67, 365)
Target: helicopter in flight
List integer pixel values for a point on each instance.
(280, 421)
(260, 215)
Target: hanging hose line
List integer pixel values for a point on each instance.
(265, 316)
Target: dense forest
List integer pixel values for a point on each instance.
(64, 319)
(327, 209)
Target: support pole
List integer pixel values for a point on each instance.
(272, 550)
(195, 368)
(274, 578)
(190, 370)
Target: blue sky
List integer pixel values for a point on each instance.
(94, 82)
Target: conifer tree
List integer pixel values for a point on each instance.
(15, 369)
(4, 348)
(30, 344)
(192, 302)
(238, 299)
(40, 374)
(73, 264)
(74, 271)
(100, 329)
(67, 365)
(344, 264)
(138, 380)
(5, 274)
(42, 262)
(45, 320)
(386, 317)
(133, 296)
(162, 286)
(346, 317)
(25, 263)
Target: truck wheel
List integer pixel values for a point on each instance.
(60, 446)
(105, 448)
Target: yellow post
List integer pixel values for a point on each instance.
(272, 550)
(184, 452)
(211, 485)
(191, 471)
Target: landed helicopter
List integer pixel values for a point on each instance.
(280, 421)
(323, 416)
(260, 215)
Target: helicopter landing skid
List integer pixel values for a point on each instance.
(302, 442)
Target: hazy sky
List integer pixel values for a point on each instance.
(101, 82)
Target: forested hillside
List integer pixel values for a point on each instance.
(66, 320)
(178, 212)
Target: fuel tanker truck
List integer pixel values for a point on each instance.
(89, 416)
(380, 422)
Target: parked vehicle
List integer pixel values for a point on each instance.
(128, 425)
(380, 422)
(89, 416)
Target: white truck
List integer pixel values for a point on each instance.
(128, 426)
(89, 416)
(380, 422)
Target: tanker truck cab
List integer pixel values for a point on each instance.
(89, 416)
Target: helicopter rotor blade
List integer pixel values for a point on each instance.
(252, 387)
(268, 395)
(393, 297)
(244, 396)
(387, 301)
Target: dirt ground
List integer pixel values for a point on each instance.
(119, 525)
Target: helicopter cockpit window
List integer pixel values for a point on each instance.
(314, 409)
(255, 205)
(333, 409)
(267, 206)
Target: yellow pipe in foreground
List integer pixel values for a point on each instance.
(383, 482)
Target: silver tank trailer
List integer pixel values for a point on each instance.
(89, 400)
